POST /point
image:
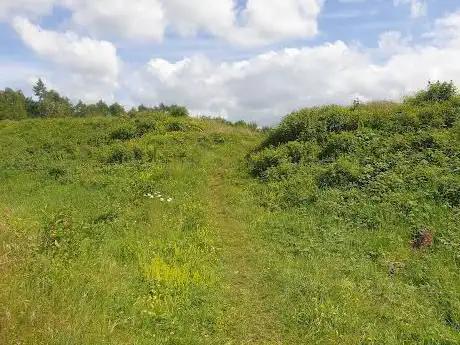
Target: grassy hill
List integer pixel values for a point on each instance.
(339, 226)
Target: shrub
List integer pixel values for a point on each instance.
(175, 126)
(343, 173)
(143, 127)
(123, 133)
(138, 154)
(336, 145)
(268, 158)
(119, 154)
(338, 119)
(435, 92)
(448, 191)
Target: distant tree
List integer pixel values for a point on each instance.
(32, 107)
(132, 112)
(92, 110)
(39, 89)
(12, 105)
(102, 108)
(117, 110)
(50, 103)
(143, 108)
(80, 109)
(173, 110)
(177, 111)
(356, 103)
(54, 105)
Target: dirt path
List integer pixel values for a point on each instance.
(247, 309)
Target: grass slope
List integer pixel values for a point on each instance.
(86, 256)
(314, 248)
(365, 222)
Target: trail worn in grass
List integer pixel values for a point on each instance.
(248, 315)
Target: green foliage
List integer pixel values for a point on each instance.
(123, 133)
(436, 92)
(366, 214)
(12, 105)
(149, 229)
(117, 110)
(177, 111)
(88, 256)
(48, 103)
(40, 89)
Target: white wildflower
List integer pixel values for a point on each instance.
(162, 199)
(170, 199)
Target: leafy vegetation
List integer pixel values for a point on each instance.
(365, 203)
(49, 104)
(338, 226)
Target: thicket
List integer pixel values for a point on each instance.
(382, 152)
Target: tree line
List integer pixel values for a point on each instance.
(48, 103)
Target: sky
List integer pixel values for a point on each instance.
(255, 60)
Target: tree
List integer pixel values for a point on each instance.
(177, 111)
(132, 112)
(53, 105)
(143, 108)
(173, 110)
(102, 108)
(80, 109)
(12, 105)
(32, 107)
(117, 110)
(40, 89)
(50, 103)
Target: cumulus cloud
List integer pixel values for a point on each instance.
(271, 20)
(262, 87)
(91, 64)
(138, 19)
(259, 22)
(9, 8)
(188, 17)
(269, 85)
(417, 7)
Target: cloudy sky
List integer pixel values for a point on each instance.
(242, 59)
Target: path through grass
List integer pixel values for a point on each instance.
(248, 314)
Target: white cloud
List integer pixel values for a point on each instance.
(417, 7)
(260, 22)
(269, 85)
(262, 87)
(9, 8)
(91, 65)
(272, 20)
(135, 19)
(188, 17)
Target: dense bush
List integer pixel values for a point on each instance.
(379, 149)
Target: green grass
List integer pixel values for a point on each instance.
(313, 248)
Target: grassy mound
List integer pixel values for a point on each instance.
(365, 205)
(105, 232)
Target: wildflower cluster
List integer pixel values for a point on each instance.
(158, 195)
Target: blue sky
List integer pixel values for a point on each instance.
(134, 55)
